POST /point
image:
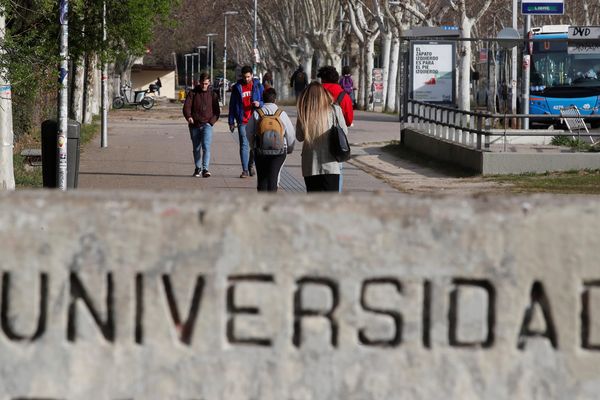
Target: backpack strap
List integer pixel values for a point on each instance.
(278, 112)
(260, 112)
(340, 97)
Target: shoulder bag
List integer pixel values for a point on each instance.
(338, 141)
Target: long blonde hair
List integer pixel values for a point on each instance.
(314, 106)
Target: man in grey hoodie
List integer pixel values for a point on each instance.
(269, 163)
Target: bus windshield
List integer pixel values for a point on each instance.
(552, 67)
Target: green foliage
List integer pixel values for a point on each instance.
(582, 182)
(31, 177)
(32, 45)
(572, 142)
(26, 176)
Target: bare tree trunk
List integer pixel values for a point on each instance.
(360, 96)
(385, 63)
(369, 64)
(392, 89)
(336, 61)
(95, 76)
(283, 82)
(76, 109)
(7, 175)
(89, 89)
(464, 92)
(307, 60)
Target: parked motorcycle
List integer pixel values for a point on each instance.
(139, 98)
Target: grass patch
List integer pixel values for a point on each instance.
(571, 182)
(28, 177)
(575, 144)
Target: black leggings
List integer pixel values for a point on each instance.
(322, 183)
(267, 172)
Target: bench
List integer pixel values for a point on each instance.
(33, 157)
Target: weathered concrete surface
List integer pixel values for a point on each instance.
(400, 287)
(535, 160)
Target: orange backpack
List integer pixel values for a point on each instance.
(270, 134)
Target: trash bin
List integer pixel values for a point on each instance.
(49, 150)
(181, 95)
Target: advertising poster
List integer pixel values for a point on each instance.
(377, 85)
(433, 78)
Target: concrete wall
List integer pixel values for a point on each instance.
(309, 297)
(140, 80)
(518, 163)
(443, 150)
(498, 163)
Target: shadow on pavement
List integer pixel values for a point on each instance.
(404, 159)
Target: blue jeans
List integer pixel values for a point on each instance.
(341, 176)
(244, 146)
(201, 140)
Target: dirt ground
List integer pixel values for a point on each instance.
(413, 174)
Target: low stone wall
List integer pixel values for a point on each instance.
(189, 296)
(497, 163)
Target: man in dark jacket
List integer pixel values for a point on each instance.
(299, 80)
(201, 110)
(246, 95)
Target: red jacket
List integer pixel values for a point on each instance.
(335, 89)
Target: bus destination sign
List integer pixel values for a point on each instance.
(543, 7)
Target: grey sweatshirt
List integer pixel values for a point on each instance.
(270, 109)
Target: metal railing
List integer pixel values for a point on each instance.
(473, 128)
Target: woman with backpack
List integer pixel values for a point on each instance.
(347, 83)
(271, 135)
(316, 115)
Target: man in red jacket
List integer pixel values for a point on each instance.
(201, 110)
(329, 79)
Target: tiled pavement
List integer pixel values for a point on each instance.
(152, 150)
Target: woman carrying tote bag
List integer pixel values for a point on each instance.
(316, 116)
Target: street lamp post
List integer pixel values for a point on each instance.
(192, 68)
(226, 13)
(255, 41)
(211, 51)
(185, 57)
(199, 61)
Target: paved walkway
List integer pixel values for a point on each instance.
(152, 150)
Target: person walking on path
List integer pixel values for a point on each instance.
(347, 83)
(298, 80)
(267, 80)
(271, 134)
(158, 84)
(329, 78)
(316, 115)
(246, 95)
(201, 110)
